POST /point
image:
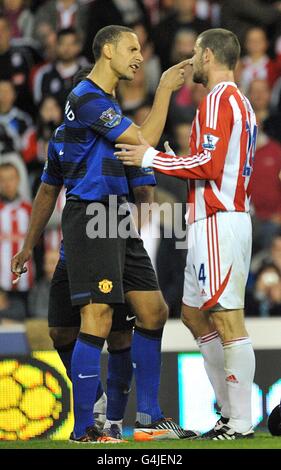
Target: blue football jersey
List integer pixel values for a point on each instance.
(93, 121)
(53, 170)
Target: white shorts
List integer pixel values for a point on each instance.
(218, 261)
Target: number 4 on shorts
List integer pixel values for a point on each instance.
(201, 276)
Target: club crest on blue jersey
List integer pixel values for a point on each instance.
(110, 118)
(210, 142)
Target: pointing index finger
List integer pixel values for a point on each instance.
(184, 63)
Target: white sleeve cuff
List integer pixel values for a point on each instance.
(148, 157)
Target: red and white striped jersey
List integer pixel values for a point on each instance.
(222, 145)
(14, 220)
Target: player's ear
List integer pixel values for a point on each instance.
(207, 54)
(107, 51)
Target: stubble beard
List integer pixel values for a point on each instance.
(199, 77)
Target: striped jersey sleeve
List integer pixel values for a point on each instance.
(222, 147)
(209, 140)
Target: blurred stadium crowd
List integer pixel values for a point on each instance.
(43, 43)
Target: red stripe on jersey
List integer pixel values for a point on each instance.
(191, 200)
(218, 131)
(213, 204)
(214, 104)
(239, 198)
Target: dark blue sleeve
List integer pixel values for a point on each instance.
(100, 115)
(140, 176)
(52, 173)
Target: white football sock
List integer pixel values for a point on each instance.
(239, 363)
(109, 422)
(212, 351)
(100, 405)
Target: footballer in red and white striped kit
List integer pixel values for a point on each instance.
(218, 170)
(14, 220)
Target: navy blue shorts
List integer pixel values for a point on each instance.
(102, 270)
(62, 313)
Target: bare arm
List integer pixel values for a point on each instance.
(42, 209)
(154, 124)
(152, 128)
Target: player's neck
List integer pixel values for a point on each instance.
(105, 79)
(219, 76)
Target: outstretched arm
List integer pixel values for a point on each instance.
(97, 113)
(42, 209)
(152, 128)
(205, 162)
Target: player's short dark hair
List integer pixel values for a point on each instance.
(108, 34)
(81, 74)
(223, 43)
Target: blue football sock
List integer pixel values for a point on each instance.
(65, 353)
(85, 375)
(120, 371)
(146, 359)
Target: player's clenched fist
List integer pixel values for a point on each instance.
(18, 262)
(173, 78)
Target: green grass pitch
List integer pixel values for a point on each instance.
(260, 441)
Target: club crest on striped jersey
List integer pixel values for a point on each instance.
(110, 118)
(210, 142)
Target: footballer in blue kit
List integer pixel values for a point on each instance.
(91, 172)
(107, 270)
(64, 319)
